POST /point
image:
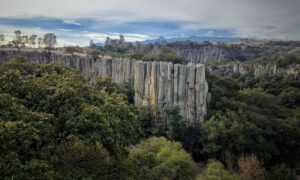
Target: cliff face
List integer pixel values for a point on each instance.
(200, 54)
(257, 69)
(155, 83)
(273, 69)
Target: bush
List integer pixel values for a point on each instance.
(215, 171)
(250, 168)
(79, 159)
(158, 158)
(281, 172)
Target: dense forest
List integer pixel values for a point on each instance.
(56, 125)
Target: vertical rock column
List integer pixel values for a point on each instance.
(190, 93)
(201, 92)
(180, 87)
(122, 70)
(153, 91)
(162, 84)
(139, 82)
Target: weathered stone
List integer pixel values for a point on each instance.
(257, 69)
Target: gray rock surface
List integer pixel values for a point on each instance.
(201, 54)
(158, 84)
(257, 69)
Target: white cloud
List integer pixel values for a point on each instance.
(71, 22)
(240, 15)
(65, 30)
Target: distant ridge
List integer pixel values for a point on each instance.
(193, 38)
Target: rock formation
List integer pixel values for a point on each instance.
(262, 69)
(201, 54)
(155, 83)
(257, 69)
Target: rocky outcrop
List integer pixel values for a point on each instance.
(201, 54)
(207, 52)
(195, 53)
(272, 69)
(257, 69)
(155, 83)
(165, 84)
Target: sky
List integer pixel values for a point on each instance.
(76, 22)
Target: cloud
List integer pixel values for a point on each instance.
(65, 30)
(242, 18)
(71, 22)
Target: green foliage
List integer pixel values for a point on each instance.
(42, 106)
(95, 53)
(290, 97)
(234, 134)
(252, 120)
(107, 86)
(222, 92)
(79, 160)
(72, 49)
(215, 171)
(166, 55)
(272, 84)
(166, 121)
(158, 158)
(281, 172)
(147, 119)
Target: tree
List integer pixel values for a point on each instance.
(290, 97)
(32, 40)
(94, 53)
(79, 159)
(158, 158)
(231, 133)
(281, 171)
(215, 171)
(17, 42)
(92, 44)
(72, 49)
(25, 41)
(250, 168)
(2, 38)
(49, 41)
(40, 42)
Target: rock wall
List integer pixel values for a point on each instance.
(257, 69)
(155, 83)
(262, 69)
(201, 54)
(196, 53)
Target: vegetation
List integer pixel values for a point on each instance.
(49, 41)
(215, 170)
(158, 158)
(165, 54)
(55, 125)
(250, 168)
(144, 53)
(28, 41)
